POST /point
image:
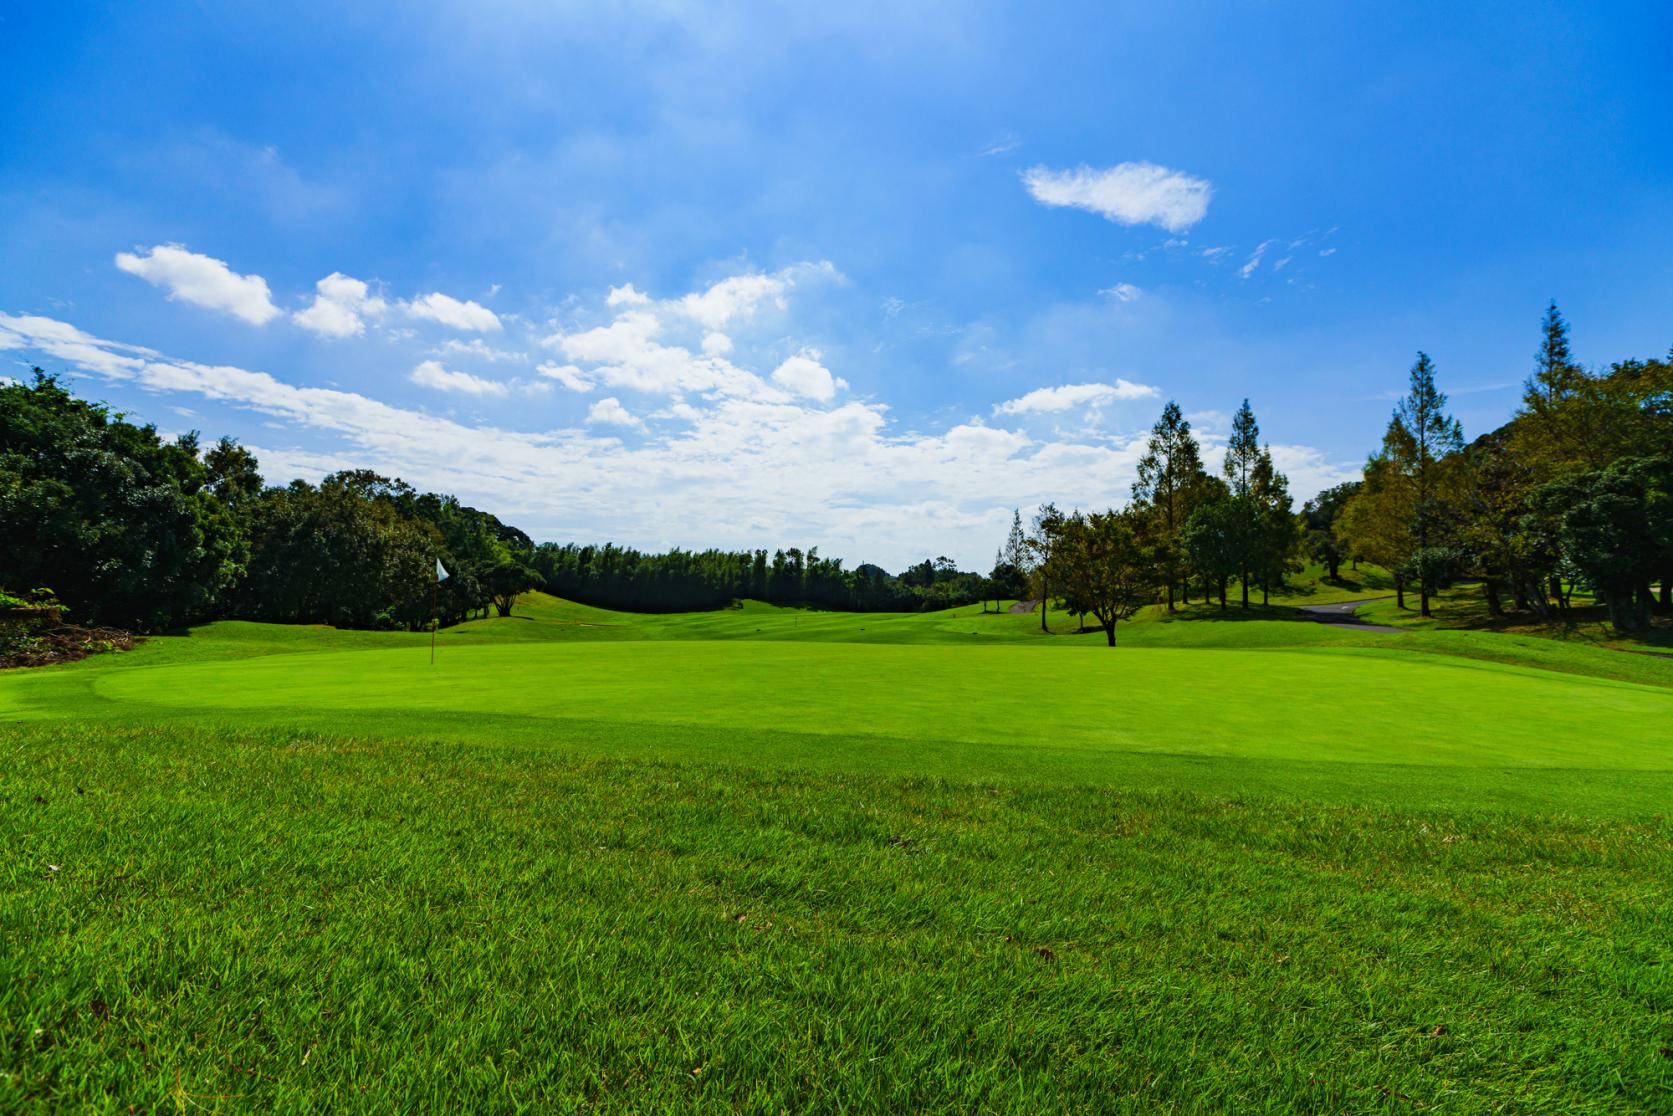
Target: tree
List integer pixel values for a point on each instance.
(1213, 539)
(1169, 476)
(1616, 526)
(1276, 532)
(120, 524)
(1376, 522)
(1048, 524)
(507, 581)
(340, 554)
(1104, 568)
(1015, 552)
(1319, 517)
(1243, 453)
(1420, 456)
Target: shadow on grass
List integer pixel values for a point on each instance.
(1465, 609)
(1234, 612)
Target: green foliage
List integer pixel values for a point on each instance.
(1213, 539)
(118, 521)
(1171, 482)
(340, 554)
(611, 576)
(1105, 568)
(1616, 525)
(1320, 517)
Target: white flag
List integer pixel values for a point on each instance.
(441, 571)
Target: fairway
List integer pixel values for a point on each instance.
(1336, 706)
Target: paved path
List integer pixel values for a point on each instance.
(1024, 606)
(1342, 614)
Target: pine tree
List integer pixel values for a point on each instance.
(1431, 436)
(1243, 454)
(1276, 534)
(1556, 376)
(1016, 544)
(1169, 475)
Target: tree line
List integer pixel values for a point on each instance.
(134, 531)
(1574, 492)
(1183, 530)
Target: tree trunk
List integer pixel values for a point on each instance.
(1045, 601)
(1244, 583)
(1263, 593)
(1335, 567)
(1109, 630)
(1185, 589)
(1623, 611)
(1667, 592)
(1222, 594)
(1423, 598)
(1170, 593)
(1495, 607)
(1399, 592)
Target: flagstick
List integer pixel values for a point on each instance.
(435, 584)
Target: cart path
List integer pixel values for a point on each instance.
(1342, 613)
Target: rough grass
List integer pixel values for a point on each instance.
(258, 921)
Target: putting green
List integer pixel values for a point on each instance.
(1316, 705)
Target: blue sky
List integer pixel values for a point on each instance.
(741, 275)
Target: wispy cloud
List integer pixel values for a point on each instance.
(466, 316)
(431, 374)
(1067, 397)
(1123, 292)
(481, 350)
(1128, 193)
(1254, 260)
(1007, 142)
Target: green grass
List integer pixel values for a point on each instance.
(782, 860)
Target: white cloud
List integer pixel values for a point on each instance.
(1123, 292)
(1010, 141)
(1254, 260)
(568, 375)
(1327, 251)
(1069, 396)
(627, 354)
(1128, 193)
(341, 305)
(627, 295)
(716, 344)
(805, 376)
(203, 281)
(449, 311)
(477, 347)
(841, 475)
(431, 374)
(1214, 253)
(610, 412)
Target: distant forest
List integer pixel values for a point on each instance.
(127, 530)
